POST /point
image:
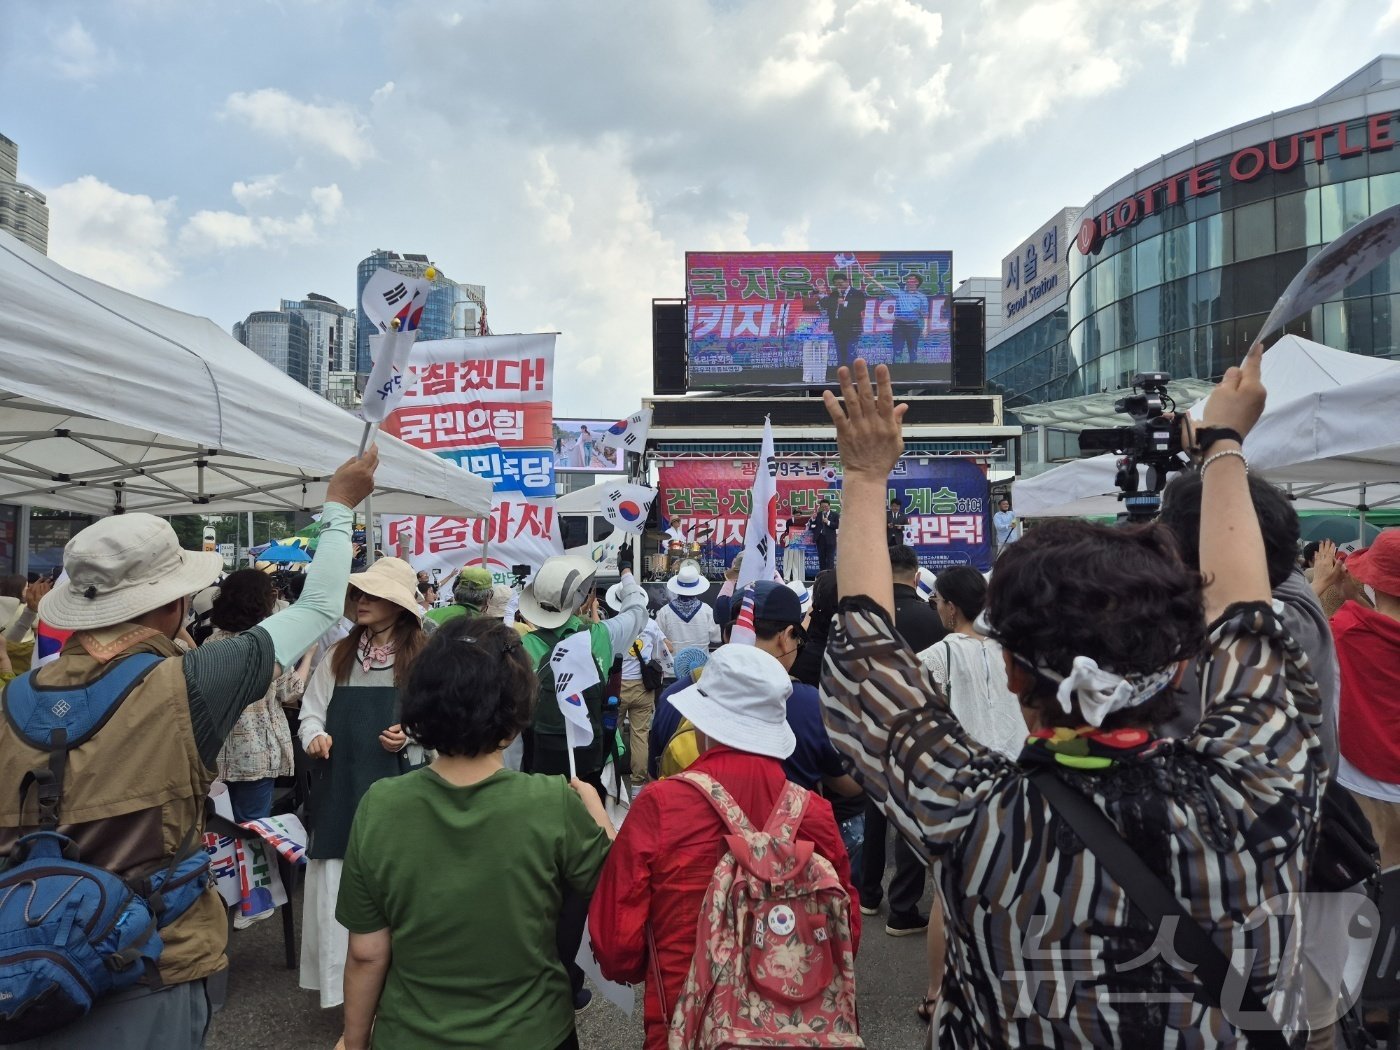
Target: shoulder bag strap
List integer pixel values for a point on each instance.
(787, 812)
(735, 822)
(1155, 901)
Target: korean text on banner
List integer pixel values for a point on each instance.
(946, 501)
(486, 404)
(385, 387)
(761, 534)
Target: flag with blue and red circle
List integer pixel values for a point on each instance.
(627, 506)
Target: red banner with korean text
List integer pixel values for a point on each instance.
(946, 500)
(486, 404)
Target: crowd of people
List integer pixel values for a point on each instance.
(1122, 760)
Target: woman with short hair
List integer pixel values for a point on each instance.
(969, 667)
(259, 749)
(1045, 946)
(454, 873)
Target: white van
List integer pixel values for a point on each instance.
(585, 531)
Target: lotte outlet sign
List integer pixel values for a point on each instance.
(1246, 165)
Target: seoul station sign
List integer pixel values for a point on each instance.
(1245, 165)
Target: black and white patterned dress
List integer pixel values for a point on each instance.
(1043, 947)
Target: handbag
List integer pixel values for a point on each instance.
(1155, 901)
(1345, 853)
(653, 671)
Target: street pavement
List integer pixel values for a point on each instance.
(267, 1011)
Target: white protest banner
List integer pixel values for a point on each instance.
(1346, 260)
(761, 534)
(574, 673)
(486, 404)
(394, 302)
(630, 433)
(627, 506)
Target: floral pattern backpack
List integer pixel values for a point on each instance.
(773, 963)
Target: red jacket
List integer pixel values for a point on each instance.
(660, 866)
(1368, 656)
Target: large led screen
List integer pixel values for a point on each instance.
(791, 318)
(577, 448)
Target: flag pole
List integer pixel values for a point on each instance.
(569, 747)
(364, 438)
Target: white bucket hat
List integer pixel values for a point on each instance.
(741, 701)
(804, 594)
(121, 567)
(688, 582)
(392, 579)
(560, 587)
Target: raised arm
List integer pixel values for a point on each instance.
(1232, 547)
(868, 437)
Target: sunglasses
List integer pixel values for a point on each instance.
(358, 595)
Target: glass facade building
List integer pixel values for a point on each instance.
(1177, 265)
(331, 338)
(451, 310)
(281, 339)
(23, 210)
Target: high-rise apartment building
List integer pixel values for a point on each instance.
(331, 338)
(23, 210)
(281, 338)
(452, 310)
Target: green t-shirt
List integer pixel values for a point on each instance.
(469, 881)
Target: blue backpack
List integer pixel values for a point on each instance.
(71, 932)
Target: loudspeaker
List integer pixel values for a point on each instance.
(969, 344)
(669, 364)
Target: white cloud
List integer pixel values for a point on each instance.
(328, 201)
(122, 239)
(257, 189)
(334, 129)
(77, 56)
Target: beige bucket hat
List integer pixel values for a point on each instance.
(392, 579)
(121, 567)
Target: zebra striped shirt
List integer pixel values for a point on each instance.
(1043, 947)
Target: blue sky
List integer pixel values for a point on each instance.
(217, 157)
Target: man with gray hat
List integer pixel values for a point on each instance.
(560, 602)
(136, 786)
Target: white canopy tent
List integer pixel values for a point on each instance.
(1330, 436)
(109, 403)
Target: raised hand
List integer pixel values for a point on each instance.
(1238, 401)
(354, 479)
(869, 430)
(35, 591)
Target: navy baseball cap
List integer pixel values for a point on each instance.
(775, 602)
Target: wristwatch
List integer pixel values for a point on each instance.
(1208, 436)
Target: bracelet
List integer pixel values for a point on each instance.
(1221, 455)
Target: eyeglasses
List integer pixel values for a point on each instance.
(356, 595)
